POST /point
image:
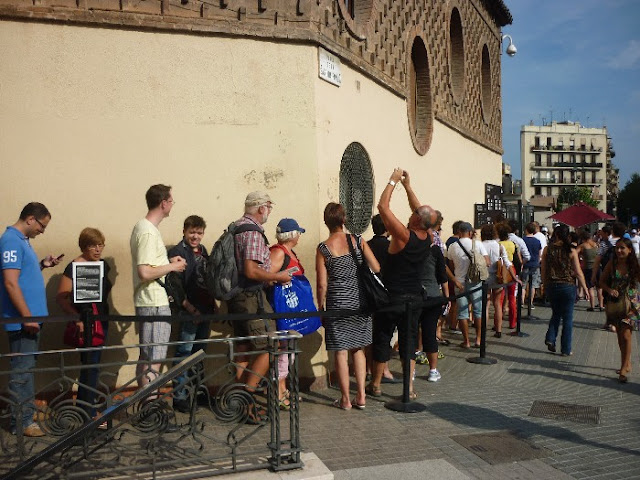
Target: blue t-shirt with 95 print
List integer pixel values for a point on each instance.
(16, 253)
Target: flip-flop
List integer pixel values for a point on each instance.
(443, 342)
(464, 345)
(475, 345)
(359, 406)
(338, 404)
(390, 380)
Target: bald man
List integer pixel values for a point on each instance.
(402, 276)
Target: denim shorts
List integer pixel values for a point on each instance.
(475, 298)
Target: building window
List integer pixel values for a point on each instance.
(549, 191)
(456, 56)
(486, 84)
(560, 157)
(357, 15)
(538, 160)
(560, 144)
(593, 177)
(419, 99)
(356, 187)
(537, 144)
(583, 158)
(538, 190)
(572, 158)
(593, 159)
(548, 159)
(549, 142)
(572, 143)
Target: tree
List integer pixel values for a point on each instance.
(629, 199)
(571, 195)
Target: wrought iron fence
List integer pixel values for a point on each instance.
(138, 432)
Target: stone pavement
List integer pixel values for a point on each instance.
(486, 407)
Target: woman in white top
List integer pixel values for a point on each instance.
(495, 251)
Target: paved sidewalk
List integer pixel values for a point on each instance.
(486, 407)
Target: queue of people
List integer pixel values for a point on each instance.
(412, 260)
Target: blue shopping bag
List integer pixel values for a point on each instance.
(296, 296)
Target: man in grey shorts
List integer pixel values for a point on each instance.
(150, 262)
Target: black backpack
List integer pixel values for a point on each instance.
(608, 255)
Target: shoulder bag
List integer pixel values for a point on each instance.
(373, 290)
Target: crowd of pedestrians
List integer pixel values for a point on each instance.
(420, 273)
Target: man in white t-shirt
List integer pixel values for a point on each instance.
(635, 241)
(149, 261)
(461, 261)
(542, 238)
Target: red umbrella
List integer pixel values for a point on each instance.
(581, 214)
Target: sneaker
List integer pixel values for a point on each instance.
(455, 331)
(33, 430)
(421, 358)
(181, 405)
(434, 376)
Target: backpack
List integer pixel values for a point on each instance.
(608, 255)
(175, 291)
(478, 270)
(222, 271)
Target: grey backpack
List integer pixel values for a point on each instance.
(222, 272)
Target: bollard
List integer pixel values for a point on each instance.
(517, 332)
(406, 405)
(529, 316)
(483, 359)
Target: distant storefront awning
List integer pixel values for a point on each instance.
(581, 214)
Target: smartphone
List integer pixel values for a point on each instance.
(59, 257)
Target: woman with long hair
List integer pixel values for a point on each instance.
(587, 251)
(620, 278)
(560, 267)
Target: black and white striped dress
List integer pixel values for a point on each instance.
(344, 333)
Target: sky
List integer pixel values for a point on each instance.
(577, 60)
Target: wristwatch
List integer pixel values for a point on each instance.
(392, 183)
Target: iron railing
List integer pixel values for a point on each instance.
(140, 435)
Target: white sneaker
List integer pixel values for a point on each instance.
(434, 376)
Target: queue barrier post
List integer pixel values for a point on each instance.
(518, 332)
(483, 359)
(406, 405)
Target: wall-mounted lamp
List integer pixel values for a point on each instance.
(511, 48)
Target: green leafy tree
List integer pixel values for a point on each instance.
(629, 199)
(571, 195)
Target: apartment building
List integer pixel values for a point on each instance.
(564, 154)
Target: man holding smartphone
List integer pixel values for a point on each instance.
(22, 294)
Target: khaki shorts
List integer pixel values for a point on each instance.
(252, 302)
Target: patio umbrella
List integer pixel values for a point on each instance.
(581, 214)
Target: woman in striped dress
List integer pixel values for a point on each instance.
(338, 288)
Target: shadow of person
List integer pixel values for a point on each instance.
(486, 419)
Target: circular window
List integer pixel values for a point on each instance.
(456, 55)
(356, 187)
(486, 83)
(419, 97)
(357, 15)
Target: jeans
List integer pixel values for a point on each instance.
(88, 379)
(21, 384)
(562, 297)
(189, 332)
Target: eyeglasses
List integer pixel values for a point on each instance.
(42, 225)
(268, 205)
(98, 246)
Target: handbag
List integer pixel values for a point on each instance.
(295, 296)
(618, 308)
(372, 289)
(74, 338)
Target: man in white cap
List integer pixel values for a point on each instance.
(253, 262)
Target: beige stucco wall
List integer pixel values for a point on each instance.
(90, 117)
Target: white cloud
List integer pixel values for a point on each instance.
(629, 57)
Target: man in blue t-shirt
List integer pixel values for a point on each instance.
(22, 294)
(531, 269)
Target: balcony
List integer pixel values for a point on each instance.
(566, 166)
(553, 180)
(565, 148)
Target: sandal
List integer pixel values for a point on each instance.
(284, 403)
(440, 355)
(256, 416)
(465, 345)
(359, 406)
(413, 395)
(373, 391)
(338, 404)
(443, 342)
